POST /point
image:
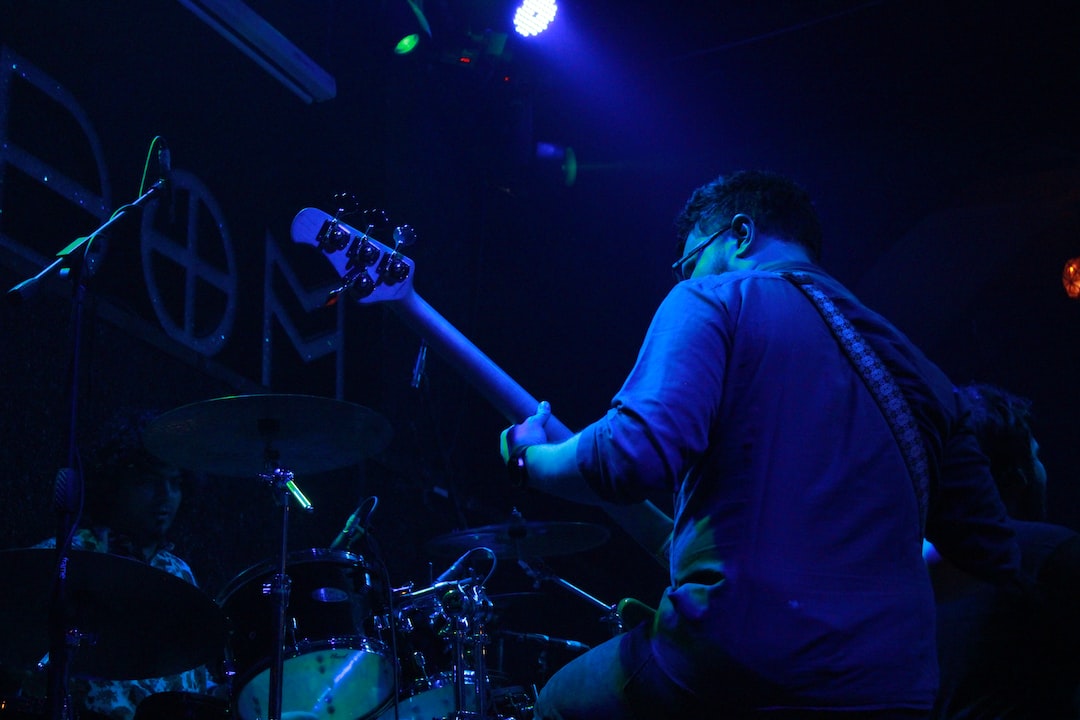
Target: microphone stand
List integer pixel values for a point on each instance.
(611, 612)
(26, 289)
(283, 485)
(72, 261)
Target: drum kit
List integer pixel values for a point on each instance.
(316, 634)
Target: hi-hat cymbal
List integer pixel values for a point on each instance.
(240, 435)
(522, 539)
(135, 621)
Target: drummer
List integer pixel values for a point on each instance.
(131, 502)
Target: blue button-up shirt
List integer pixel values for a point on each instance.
(797, 578)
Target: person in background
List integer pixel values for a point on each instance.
(801, 458)
(131, 501)
(1004, 656)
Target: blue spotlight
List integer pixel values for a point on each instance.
(533, 16)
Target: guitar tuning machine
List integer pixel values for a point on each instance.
(393, 269)
(358, 285)
(361, 285)
(362, 253)
(333, 237)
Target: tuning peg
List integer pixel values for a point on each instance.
(333, 237)
(360, 286)
(393, 269)
(362, 253)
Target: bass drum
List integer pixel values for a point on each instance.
(335, 668)
(436, 698)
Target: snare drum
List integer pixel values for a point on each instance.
(435, 697)
(435, 633)
(334, 667)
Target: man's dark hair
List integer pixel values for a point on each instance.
(117, 458)
(776, 204)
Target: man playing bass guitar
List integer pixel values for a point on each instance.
(808, 446)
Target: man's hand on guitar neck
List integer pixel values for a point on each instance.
(542, 465)
(552, 468)
(529, 431)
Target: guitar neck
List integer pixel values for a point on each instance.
(497, 387)
(644, 522)
(374, 272)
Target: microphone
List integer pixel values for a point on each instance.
(547, 640)
(418, 366)
(459, 570)
(354, 528)
(164, 160)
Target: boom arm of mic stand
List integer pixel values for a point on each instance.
(57, 696)
(26, 289)
(541, 575)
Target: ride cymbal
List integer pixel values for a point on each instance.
(522, 539)
(241, 435)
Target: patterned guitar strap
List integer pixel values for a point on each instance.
(882, 386)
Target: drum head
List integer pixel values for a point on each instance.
(267, 568)
(344, 681)
(334, 668)
(435, 698)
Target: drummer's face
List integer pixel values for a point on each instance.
(147, 504)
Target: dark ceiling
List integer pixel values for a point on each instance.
(941, 140)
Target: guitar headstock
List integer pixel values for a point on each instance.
(369, 270)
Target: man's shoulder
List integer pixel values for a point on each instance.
(734, 283)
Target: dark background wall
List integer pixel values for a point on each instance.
(939, 138)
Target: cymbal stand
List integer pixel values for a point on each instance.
(469, 622)
(539, 575)
(284, 486)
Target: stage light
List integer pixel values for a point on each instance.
(407, 44)
(533, 16)
(408, 25)
(549, 154)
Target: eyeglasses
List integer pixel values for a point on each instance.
(678, 268)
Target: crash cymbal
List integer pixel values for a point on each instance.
(522, 539)
(136, 621)
(240, 435)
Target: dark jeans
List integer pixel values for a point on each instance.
(621, 680)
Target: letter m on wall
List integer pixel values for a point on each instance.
(314, 330)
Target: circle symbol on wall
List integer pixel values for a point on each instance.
(192, 283)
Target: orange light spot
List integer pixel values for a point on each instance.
(1070, 277)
